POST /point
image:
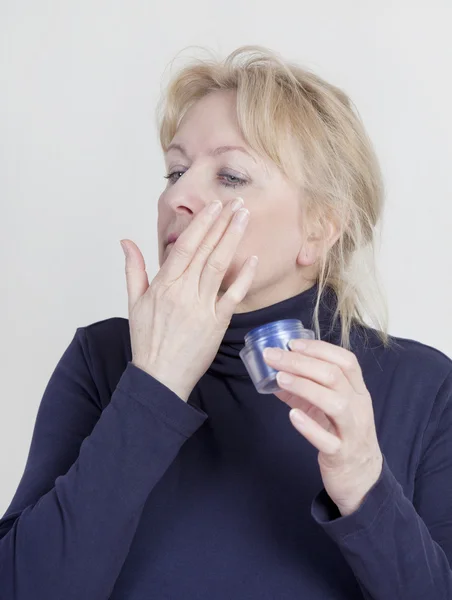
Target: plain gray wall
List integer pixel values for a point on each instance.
(80, 166)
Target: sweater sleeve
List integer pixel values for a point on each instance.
(400, 549)
(69, 527)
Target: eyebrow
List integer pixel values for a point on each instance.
(215, 152)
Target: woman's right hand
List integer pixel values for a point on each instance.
(177, 322)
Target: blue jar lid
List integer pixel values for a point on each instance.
(272, 329)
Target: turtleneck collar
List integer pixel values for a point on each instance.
(228, 362)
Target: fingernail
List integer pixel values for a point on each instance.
(284, 377)
(254, 260)
(241, 217)
(272, 353)
(297, 416)
(238, 202)
(297, 345)
(124, 248)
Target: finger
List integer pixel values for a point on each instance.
(187, 244)
(228, 302)
(207, 252)
(211, 269)
(323, 440)
(136, 277)
(320, 371)
(343, 358)
(312, 411)
(335, 406)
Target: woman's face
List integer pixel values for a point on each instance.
(198, 177)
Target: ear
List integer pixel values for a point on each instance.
(313, 246)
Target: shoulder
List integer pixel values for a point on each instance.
(111, 329)
(107, 350)
(410, 383)
(414, 352)
(404, 358)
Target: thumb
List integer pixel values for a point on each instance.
(136, 276)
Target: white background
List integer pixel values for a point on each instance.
(80, 165)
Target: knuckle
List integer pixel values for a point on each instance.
(292, 359)
(336, 448)
(181, 250)
(302, 390)
(205, 247)
(217, 264)
(332, 374)
(351, 362)
(339, 405)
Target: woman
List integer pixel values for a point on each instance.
(156, 470)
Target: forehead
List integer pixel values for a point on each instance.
(221, 104)
(210, 127)
(212, 121)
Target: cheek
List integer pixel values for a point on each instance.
(255, 240)
(274, 237)
(163, 223)
(163, 220)
(266, 232)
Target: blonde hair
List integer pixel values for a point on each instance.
(313, 132)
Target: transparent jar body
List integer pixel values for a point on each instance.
(276, 334)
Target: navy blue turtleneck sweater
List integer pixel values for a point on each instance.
(130, 493)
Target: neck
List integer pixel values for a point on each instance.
(273, 294)
(298, 306)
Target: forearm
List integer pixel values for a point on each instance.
(73, 541)
(387, 545)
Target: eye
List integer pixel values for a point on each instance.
(172, 176)
(226, 179)
(232, 180)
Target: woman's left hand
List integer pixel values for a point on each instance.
(335, 415)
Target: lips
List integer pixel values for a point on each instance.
(172, 238)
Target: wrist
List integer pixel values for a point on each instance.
(360, 496)
(166, 380)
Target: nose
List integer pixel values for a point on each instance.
(189, 205)
(187, 196)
